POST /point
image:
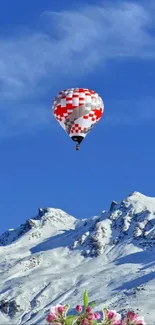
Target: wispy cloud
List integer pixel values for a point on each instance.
(68, 45)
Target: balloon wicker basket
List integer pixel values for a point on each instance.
(77, 147)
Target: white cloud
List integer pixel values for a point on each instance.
(70, 45)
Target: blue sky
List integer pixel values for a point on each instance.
(47, 46)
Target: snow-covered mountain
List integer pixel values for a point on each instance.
(54, 257)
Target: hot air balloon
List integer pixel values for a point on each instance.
(77, 110)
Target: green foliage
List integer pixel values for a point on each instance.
(85, 299)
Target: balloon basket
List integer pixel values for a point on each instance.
(77, 147)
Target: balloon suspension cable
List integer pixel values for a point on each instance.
(77, 147)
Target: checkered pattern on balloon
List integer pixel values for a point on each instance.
(78, 110)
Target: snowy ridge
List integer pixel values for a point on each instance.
(53, 257)
(95, 238)
(56, 218)
(133, 219)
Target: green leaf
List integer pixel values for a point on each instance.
(94, 322)
(70, 319)
(85, 299)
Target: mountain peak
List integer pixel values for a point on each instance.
(140, 202)
(140, 196)
(137, 194)
(54, 215)
(47, 221)
(132, 219)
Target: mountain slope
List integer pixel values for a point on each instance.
(53, 257)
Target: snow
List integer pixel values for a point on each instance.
(54, 257)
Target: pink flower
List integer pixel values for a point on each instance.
(90, 316)
(57, 309)
(79, 308)
(131, 316)
(134, 318)
(60, 309)
(51, 317)
(112, 315)
(88, 310)
(97, 315)
(118, 322)
(139, 320)
(84, 322)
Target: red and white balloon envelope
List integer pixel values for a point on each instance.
(77, 110)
